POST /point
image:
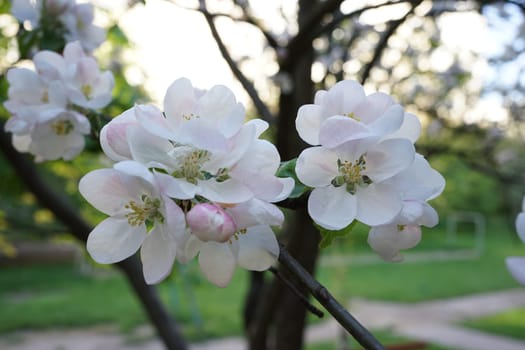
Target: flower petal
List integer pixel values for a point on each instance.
(516, 267)
(520, 226)
(179, 100)
(256, 212)
(388, 240)
(258, 248)
(114, 240)
(337, 130)
(229, 191)
(149, 149)
(316, 166)
(389, 122)
(157, 254)
(175, 188)
(373, 107)
(151, 119)
(377, 204)
(343, 98)
(389, 158)
(217, 263)
(106, 190)
(136, 169)
(308, 123)
(113, 136)
(410, 129)
(332, 208)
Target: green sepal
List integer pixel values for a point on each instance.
(287, 169)
(328, 236)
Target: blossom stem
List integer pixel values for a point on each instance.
(345, 319)
(296, 291)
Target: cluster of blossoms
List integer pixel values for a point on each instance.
(48, 105)
(194, 179)
(364, 167)
(516, 264)
(75, 21)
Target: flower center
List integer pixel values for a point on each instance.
(352, 116)
(190, 116)
(62, 127)
(86, 90)
(45, 97)
(350, 174)
(190, 165)
(146, 212)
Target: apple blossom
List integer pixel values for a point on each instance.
(349, 181)
(141, 215)
(44, 120)
(226, 168)
(416, 185)
(78, 22)
(252, 246)
(352, 115)
(85, 85)
(516, 264)
(77, 19)
(59, 137)
(190, 113)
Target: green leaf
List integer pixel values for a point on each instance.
(117, 36)
(287, 169)
(5, 6)
(328, 236)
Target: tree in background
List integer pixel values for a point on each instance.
(401, 53)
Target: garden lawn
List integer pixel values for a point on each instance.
(36, 297)
(385, 337)
(509, 323)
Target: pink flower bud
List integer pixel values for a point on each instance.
(209, 222)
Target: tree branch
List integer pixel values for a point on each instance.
(382, 44)
(297, 292)
(247, 85)
(345, 319)
(166, 327)
(248, 18)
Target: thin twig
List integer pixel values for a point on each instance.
(261, 107)
(297, 292)
(382, 44)
(345, 319)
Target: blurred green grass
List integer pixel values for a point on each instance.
(36, 297)
(509, 323)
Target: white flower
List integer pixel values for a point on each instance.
(349, 181)
(515, 264)
(141, 216)
(86, 86)
(191, 113)
(77, 19)
(253, 246)
(416, 185)
(232, 170)
(79, 25)
(347, 113)
(30, 10)
(32, 100)
(59, 137)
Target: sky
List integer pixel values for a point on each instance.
(171, 42)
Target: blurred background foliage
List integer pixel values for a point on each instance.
(404, 55)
